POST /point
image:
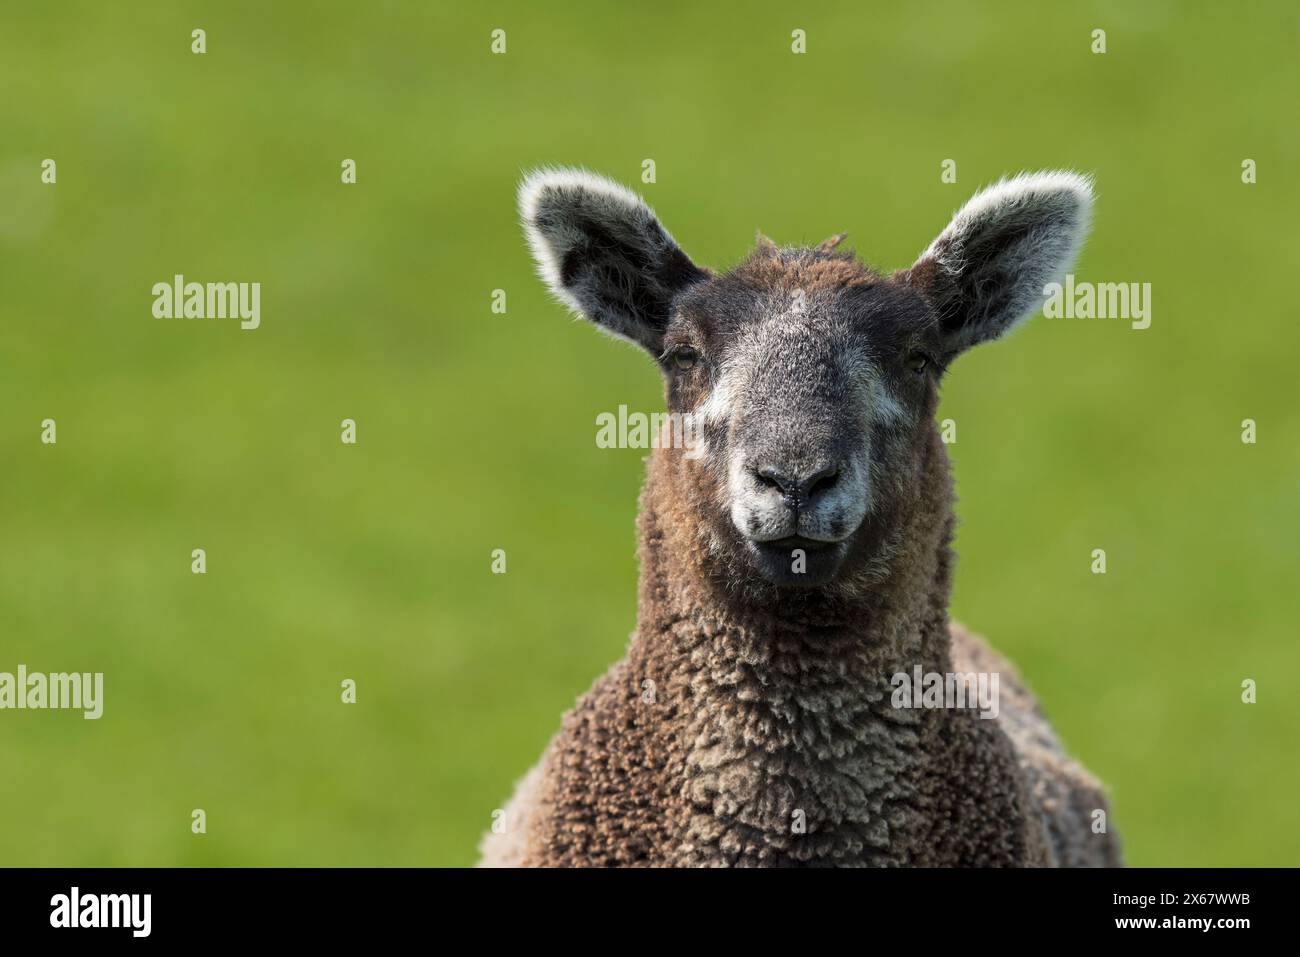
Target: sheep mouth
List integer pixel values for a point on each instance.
(790, 543)
(796, 561)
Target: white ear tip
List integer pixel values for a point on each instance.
(1027, 188)
(571, 179)
(1069, 193)
(1079, 186)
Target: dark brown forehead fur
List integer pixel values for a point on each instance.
(811, 269)
(711, 312)
(717, 307)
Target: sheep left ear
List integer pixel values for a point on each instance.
(986, 271)
(604, 253)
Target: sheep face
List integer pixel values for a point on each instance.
(809, 381)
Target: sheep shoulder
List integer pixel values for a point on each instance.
(1062, 795)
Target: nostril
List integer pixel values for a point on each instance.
(798, 491)
(823, 482)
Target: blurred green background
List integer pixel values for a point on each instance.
(476, 430)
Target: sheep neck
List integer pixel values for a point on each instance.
(785, 738)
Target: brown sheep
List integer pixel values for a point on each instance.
(796, 563)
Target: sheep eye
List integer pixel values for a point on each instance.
(685, 358)
(917, 362)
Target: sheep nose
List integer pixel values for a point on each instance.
(799, 488)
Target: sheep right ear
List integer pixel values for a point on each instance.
(603, 252)
(987, 271)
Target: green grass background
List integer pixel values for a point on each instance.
(476, 431)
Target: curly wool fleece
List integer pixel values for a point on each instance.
(736, 733)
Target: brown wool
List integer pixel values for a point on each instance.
(771, 739)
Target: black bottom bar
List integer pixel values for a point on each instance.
(366, 906)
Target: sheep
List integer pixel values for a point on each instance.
(795, 566)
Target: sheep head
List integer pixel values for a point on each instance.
(809, 380)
